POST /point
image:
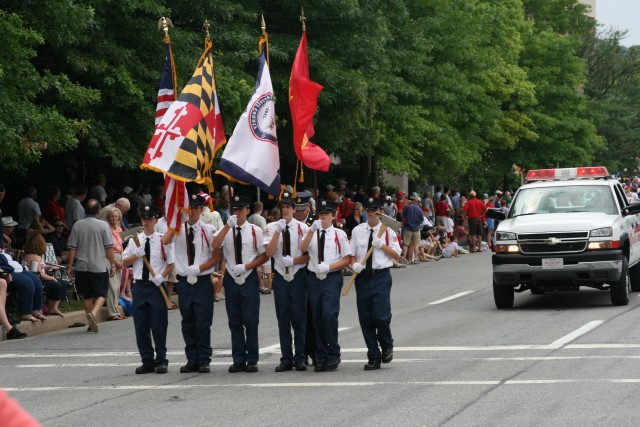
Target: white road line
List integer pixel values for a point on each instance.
(326, 384)
(354, 361)
(461, 294)
(576, 334)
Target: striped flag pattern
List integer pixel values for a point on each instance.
(176, 202)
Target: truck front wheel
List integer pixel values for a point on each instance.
(503, 296)
(620, 289)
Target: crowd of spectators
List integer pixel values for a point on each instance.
(440, 224)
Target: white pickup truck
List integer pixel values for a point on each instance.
(567, 228)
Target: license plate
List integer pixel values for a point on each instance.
(552, 263)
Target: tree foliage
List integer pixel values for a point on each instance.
(438, 90)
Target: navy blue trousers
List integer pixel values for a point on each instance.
(325, 308)
(29, 288)
(196, 308)
(150, 318)
(291, 310)
(374, 311)
(243, 310)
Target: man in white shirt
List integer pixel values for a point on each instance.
(373, 283)
(243, 250)
(195, 259)
(282, 241)
(329, 253)
(149, 309)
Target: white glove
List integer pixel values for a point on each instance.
(239, 269)
(139, 251)
(287, 261)
(357, 267)
(323, 268)
(317, 225)
(158, 280)
(377, 243)
(192, 270)
(232, 222)
(280, 225)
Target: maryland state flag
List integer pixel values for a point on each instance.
(303, 100)
(252, 155)
(190, 133)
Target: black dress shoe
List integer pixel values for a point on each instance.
(333, 365)
(252, 368)
(372, 365)
(320, 367)
(161, 369)
(15, 334)
(301, 367)
(145, 369)
(189, 368)
(204, 368)
(283, 367)
(387, 355)
(237, 367)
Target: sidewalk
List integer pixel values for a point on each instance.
(55, 323)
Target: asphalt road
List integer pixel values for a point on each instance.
(559, 359)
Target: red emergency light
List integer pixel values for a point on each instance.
(567, 173)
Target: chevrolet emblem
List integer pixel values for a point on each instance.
(553, 241)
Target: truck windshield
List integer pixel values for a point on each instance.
(571, 198)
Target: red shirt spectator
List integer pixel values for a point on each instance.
(474, 208)
(441, 208)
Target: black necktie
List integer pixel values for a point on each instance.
(286, 242)
(368, 271)
(147, 254)
(191, 250)
(321, 246)
(238, 246)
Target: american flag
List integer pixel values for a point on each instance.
(176, 202)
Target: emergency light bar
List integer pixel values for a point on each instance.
(567, 173)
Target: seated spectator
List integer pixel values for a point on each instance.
(12, 332)
(53, 211)
(427, 248)
(8, 229)
(59, 241)
(450, 248)
(39, 227)
(461, 234)
(34, 251)
(28, 286)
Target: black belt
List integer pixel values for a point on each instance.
(145, 282)
(185, 277)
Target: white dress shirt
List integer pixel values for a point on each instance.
(297, 231)
(161, 255)
(203, 235)
(336, 247)
(360, 242)
(252, 245)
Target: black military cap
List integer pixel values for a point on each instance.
(373, 203)
(197, 201)
(150, 211)
(302, 199)
(287, 199)
(326, 206)
(241, 202)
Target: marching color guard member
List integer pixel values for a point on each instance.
(243, 251)
(329, 253)
(195, 259)
(149, 308)
(373, 283)
(282, 241)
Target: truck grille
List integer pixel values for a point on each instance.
(539, 247)
(544, 236)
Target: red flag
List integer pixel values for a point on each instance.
(303, 100)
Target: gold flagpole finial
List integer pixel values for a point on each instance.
(164, 24)
(303, 19)
(206, 28)
(263, 26)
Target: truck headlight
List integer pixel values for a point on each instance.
(503, 235)
(601, 232)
